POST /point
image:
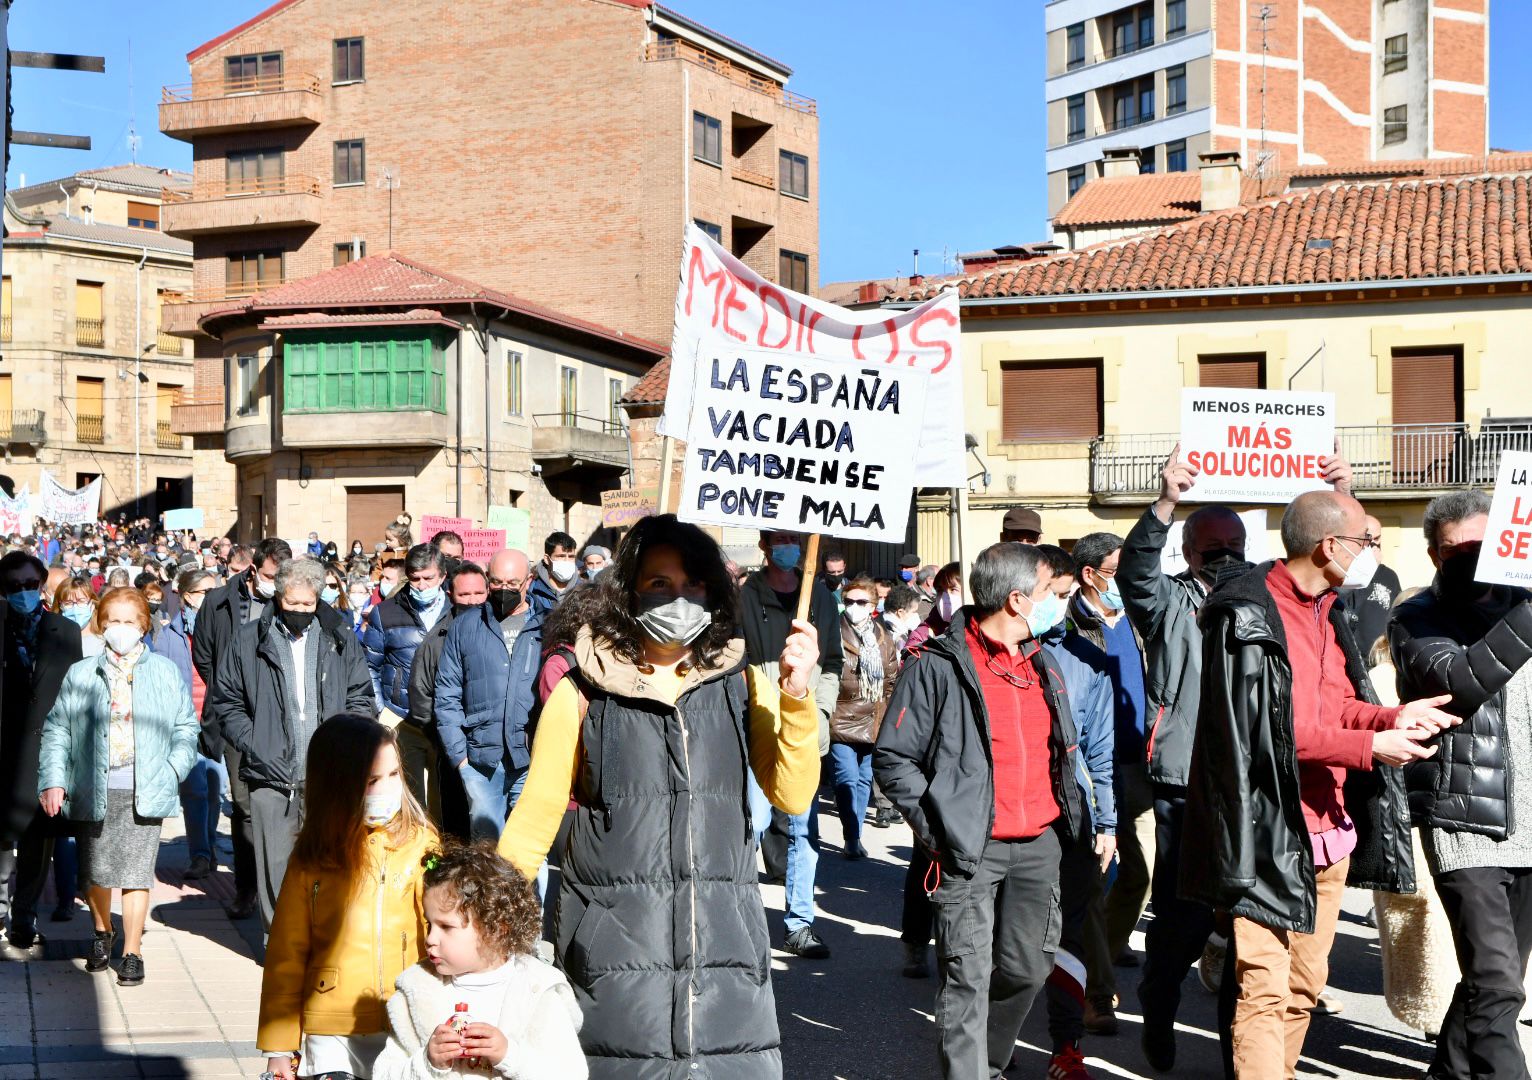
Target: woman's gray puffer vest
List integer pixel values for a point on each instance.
(660, 926)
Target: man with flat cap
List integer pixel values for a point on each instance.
(1021, 526)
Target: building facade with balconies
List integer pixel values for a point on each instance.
(90, 374)
(327, 129)
(384, 385)
(1320, 81)
(1408, 299)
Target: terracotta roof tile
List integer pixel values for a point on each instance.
(1394, 230)
(650, 390)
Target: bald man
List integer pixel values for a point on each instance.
(486, 693)
(1369, 608)
(1287, 714)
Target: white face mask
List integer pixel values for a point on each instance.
(268, 589)
(1359, 573)
(562, 570)
(946, 606)
(858, 613)
(121, 639)
(381, 803)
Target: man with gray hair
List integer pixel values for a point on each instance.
(977, 752)
(1288, 796)
(282, 675)
(1474, 641)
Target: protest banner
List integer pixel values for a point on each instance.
(1257, 547)
(1506, 557)
(803, 444)
(63, 506)
(624, 507)
(16, 514)
(1260, 446)
(480, 544)
(189, 517)
(431, 524)
(517, 525)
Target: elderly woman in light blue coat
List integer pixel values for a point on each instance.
(120, 738)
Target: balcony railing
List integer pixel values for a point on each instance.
(169, 345)
(208, 89)
(89, 429)
(213, 189)
(23, 426)
(165, 438)
(676, 49)
(90, 333)
(207, 294)
(1383, 457)
(5, 327)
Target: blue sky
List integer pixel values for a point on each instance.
(930, 115)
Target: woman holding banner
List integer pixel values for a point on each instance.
(659, 925)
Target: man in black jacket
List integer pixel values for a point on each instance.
(224, 610)
(37, 648)
(283, 675)
(1283, 796)
(977, 752)
(1474, 642)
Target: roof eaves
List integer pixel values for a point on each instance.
(697, 28)
(229, 35)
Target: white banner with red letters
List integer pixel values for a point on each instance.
(1255, 446)
(64, 506)
(1506, 557)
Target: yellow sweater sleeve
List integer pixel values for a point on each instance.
(784, 743)
(534, 824)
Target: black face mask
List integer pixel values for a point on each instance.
(833, 581)
(295, 621)
(458, 609)
(504, 602)
(1457, 575)
(1221, 564)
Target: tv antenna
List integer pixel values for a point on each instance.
(1265, 15)
(389, 180)
(133, 137)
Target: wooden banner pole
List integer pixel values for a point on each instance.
(806, 588)
(667, 457)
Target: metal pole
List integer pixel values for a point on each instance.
(138, 385)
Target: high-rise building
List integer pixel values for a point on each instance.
(1286, 83)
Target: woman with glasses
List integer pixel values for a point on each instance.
(866, 683)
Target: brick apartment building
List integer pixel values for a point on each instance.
(552, 149)
(1344, 81)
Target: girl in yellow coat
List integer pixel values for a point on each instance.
(349, 918)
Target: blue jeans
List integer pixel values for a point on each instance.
(201, 800)
(487, 798)
(852, 769)
(802, 853)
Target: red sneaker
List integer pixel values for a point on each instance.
(1067, 1064)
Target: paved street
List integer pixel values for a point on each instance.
(848, 1018)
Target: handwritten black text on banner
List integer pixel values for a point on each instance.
(803, 444)
(1255, 446)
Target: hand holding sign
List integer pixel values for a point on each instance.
(799, 655)
(1335, 470)
(1176, 479)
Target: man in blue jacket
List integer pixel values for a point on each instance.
(486, 694)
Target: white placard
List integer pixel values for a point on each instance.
(59, 505)
(723, 306)
(1260, 446)
(802, 444)
(1257, 550)
(1506, 557)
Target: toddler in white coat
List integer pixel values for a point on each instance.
(522, 1021)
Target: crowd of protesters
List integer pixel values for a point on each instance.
(406, 739)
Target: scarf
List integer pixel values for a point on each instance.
(869, 660)
(119, 681)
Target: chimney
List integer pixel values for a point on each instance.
(867, 293)
(916, 279)
(1120, 161)
(1220, 180)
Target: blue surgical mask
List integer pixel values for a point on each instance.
(26, 601)
(80, 614)
(786, 556)
(1045, 615)
(329, 594)
(1110, 596)
(425, 598)
(906, 575)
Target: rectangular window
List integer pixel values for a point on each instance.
(5, 308)
(348, 60)
(1175, 90)
(1124, 32)
(1236, 371)
(714, 231)
(1146, 162)
(1146, 99)
(253, 73)
(614, 404)
(345, 253)
(143, 215)
(350, 162)
(363, 373)
(6, 404)
(1074, 46)
(89, 321)
(569, 396)
(793, 271)
(248, 171)
(247, 387)
(1175, 156)
(1076, 114)
(90, 410)
(251, 271)
(1175, 18)
(1396, 53)
(707, 139)
(1396, 124)
(1145, 26)
(1427, 395)
(513, 361)
(794, 178)
(1072, 390)
(1076, 179)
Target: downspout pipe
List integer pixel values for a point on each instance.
(138, 384)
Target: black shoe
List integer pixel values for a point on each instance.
(915, 964)
(131, 973)
(807, 944)
(884, 818)
(855, 852)
(1126, 959)
(201, 866)
(243, 906)
(100, 950)
(25, 940)
(63, 913)
(1159, 1043)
